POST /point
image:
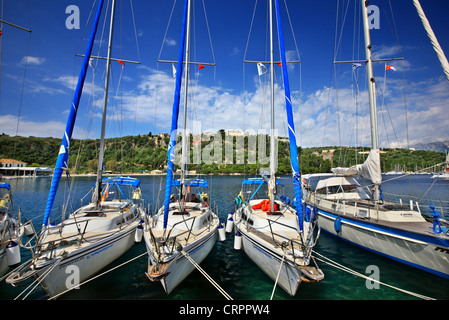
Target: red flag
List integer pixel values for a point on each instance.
(201, 67)
(121, 62)
(279, 64)
(388, 67)
(0, 32)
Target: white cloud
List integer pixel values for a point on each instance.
(170, 42)
(319, 119)
(8, 125)
(32, 60)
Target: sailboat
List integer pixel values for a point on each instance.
(94, 235)
(12, 229)
(444, 175)
(359, 215)
(184, 230)
(275, 234)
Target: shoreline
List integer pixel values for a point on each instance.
(119, 174)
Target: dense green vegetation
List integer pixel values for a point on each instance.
(144, 153)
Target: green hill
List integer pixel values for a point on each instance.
(145, 153)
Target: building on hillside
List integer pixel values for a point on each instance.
(15, 168)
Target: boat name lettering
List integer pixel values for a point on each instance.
(257, 248)
(99, 251)
(69, 263)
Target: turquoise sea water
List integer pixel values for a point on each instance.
(232, 269)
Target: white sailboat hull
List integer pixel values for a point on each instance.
(81, 264)
(270, 262)
(3, 262)
(423, 252)
(179, 267)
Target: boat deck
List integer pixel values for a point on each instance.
(89, 225)
(186, 226)
(278, 230)
(422, 227)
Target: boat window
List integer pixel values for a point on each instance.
(341, 189)
(321, 191)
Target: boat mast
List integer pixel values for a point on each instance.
(272, 182)
(96, 196)
(371, 89)
(184, 131)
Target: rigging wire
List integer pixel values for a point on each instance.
(21, 93)
(24, 74)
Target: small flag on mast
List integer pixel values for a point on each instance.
(174, 70)
(261, 69)
(388, 67)
(121, 62)
(356, 65)
(200, 67)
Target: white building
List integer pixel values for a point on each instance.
(15, 168)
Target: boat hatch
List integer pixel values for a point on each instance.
(179, 213)
(95, 213)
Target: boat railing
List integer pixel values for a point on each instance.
(30, 231)
(188, 231)
(292, 242)
(63, 239)
(171, 241)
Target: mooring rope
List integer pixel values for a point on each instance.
(227, 296)
(277, 277)
(348, 270)
(38, 280)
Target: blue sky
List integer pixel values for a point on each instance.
(229, 96)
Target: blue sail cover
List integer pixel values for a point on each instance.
(291, 124)
(251, 181)
(122, 181)
(63, 156)
(5, 185)
(192, 183)
(174, 120)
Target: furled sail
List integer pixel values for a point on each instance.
(63, 156)
(174, 123)
(369, 169)
(291, 124)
